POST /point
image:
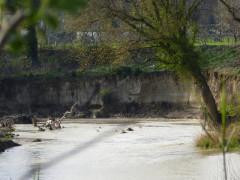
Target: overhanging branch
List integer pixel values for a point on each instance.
(16, 19)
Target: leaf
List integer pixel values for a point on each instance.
(67, 5)
(230, 139)
(41, 34)
(224, 113)
(51, 21)
(16, 42)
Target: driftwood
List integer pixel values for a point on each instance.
(52, 123)
(8, 121)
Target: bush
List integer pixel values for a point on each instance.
(136, 71)
(105, 95)
(125, 71)
(232, 108)
(90, 56)
(205, 143)
(74, 73)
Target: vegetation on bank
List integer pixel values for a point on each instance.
(224, 41)
(6, 136)
(61, 63)
(225, 136)
(215, 141)
(220, 58)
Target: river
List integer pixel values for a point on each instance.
(96, 149)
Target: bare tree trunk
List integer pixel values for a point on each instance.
(32, 41)
(235, 38)
(207, 96)
(32, 45)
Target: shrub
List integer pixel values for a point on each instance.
(73, 73)
(205, 143)
(125, 71)
(105, 95)
(232, 108)
(136, 71)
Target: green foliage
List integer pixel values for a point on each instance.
(16, 42)
(9, 135)
(136, 71)
(125, 71)
(51, 21)
(36, 176)
(227, 137)
(66, 5)
(232, 107)
(73, 73)
(6, 133)
(218, 57)
(90, 56)
(27, 12)
(206, 143)
(105, 95)
(168, 29)
(225, 41)
(224, 116)
(235, 143)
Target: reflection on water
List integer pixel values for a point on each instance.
(96, 149)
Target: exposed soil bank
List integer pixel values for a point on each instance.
(146, 95)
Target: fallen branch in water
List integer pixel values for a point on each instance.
(52, 123)
(68, 112)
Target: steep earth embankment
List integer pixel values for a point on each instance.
(149, 94)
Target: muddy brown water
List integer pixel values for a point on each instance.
(98, 150)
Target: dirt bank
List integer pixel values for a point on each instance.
(158, 94)
(131, 95)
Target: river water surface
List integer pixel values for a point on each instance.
(98, 150)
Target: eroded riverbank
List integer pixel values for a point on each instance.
(97, 149)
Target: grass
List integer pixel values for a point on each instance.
(220, 58)
(205, 142)
(225, 41)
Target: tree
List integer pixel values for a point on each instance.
(226, 20)
(101, 39)
(32, 45)
(167, 26)
(232, 6)
(31, 37)
(232, 17)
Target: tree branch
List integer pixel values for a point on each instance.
(16, 19)
(231, 10)
(156, 10)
